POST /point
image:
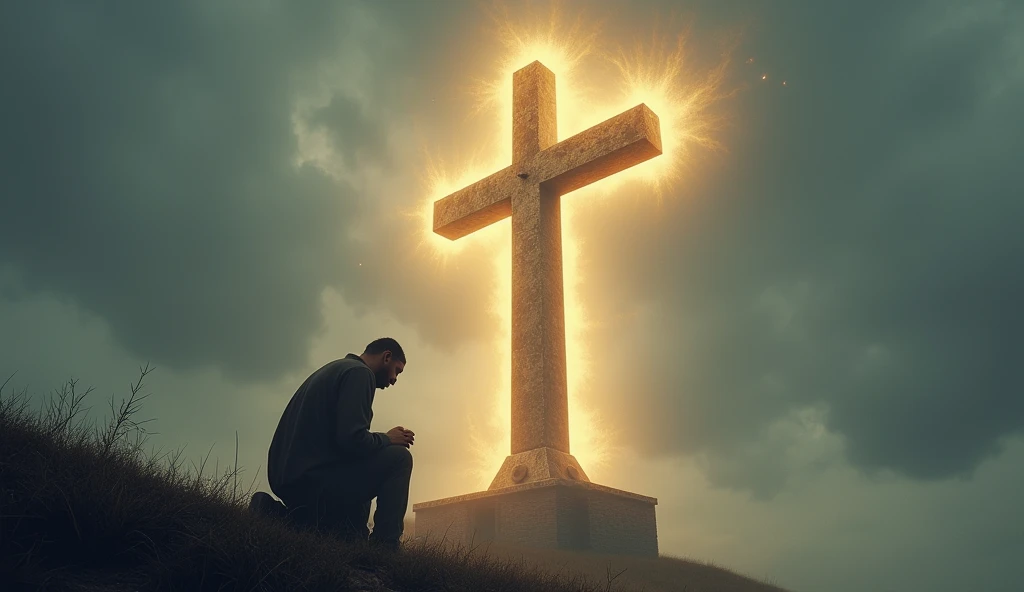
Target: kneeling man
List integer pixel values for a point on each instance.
(326, 465)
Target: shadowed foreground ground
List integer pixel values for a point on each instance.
(84, 509)
(661, 574)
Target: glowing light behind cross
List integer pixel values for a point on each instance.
(653, 75)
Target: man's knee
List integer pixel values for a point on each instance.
(400, 456)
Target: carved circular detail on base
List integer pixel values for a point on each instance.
(519, 473)
(572, 473)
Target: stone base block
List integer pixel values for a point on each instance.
(553, 513)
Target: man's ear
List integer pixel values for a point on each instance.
(387, 357)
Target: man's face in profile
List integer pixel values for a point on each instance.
(388, 374)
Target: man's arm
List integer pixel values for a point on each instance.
(355, 397)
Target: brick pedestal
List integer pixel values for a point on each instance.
(552, 513)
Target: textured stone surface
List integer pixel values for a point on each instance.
(601, 151)
(622, 525)
(529, 191)
(530, 486)
(554, 513)
(529, 518)
(537, 464)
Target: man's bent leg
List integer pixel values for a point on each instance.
(392, 471)
(348, 519)
(304, 503)
(347, 490)
(316, 502)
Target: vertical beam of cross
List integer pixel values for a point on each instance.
(540, 403)
(530, 191)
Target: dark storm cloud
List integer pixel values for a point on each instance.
(148, 172)
(147, 154)
(353, 136)
(861, 250)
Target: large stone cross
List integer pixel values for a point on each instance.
(543, 169)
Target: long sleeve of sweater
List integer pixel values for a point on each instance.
(354, 414)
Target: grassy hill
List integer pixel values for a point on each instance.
(84, 509)
(653, 574)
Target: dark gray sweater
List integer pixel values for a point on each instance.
(327, 421)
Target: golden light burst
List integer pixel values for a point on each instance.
(659, 75)
(655, 73)
(441, 181)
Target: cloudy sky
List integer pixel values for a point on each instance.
(805, 343)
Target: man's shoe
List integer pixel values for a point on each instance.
(263, 503)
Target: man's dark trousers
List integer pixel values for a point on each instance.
(336, 498)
